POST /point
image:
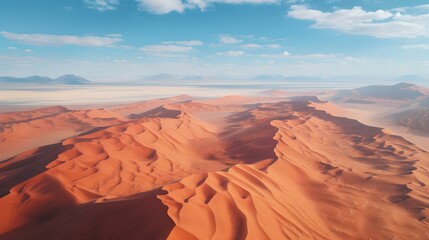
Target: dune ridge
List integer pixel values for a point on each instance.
(119, 161)
(305, 193)
(29, 129)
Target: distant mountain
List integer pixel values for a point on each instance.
(66, 80)
(71, 80)
(162, 76)
(412, 79)
(369, 94)
(274, 92)
(276, 77)
(32, 79)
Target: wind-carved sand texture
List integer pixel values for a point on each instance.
(227, 168)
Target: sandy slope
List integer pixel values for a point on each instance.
(119, 161)
(128, 110)
(374, 188)
(414, 116)
(409, 120)
(398, 93)
(26, 130)
(285, 170)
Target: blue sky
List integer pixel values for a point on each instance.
(113, 40)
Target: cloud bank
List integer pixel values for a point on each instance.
(47, 39)
(356, 21)
(168, 6)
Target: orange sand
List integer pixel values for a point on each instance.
(227, 168)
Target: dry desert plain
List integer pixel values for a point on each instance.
(266, 166)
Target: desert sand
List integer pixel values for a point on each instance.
(237, 167)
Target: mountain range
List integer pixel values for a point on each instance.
(65, 80)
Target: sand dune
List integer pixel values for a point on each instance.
(26, 130)
(140, 216)
(141, 107)
(245, 202)
(314, 99)
(374, 189)
(401, 92)
(228, 168)
(235, 100)
(330, 108)
(114, 162)
(275, 92)
(364, 188)
(414, 117)
(409, 120)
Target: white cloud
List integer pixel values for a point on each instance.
(314, 56)
(251, 45)
(115, 35)
(417, 46)
(231, 53)
(412, 8)
(102, 5)
(186, 43)
(161, 6)
(167, 6)
(46, 39)
(28, 50)
(228, 39)
(380, 23)
(161, 49)
(274, 46)
(317, 56)
(256, 46)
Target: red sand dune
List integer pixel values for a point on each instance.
(274, 92)
(285, 170)
(398, 93)
(143, 106)
(375, 187)
(414, 117)
(234, 100)
(26, 130)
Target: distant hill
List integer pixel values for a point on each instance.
(284, 78)
(72, 80)
(274, 92)
(414, 117)
(161, 77)
(32, 79)
(412, 79)
(66, 80)
(369, 94)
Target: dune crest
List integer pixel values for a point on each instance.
(119, 161)
(305, 193)
(29, 129)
